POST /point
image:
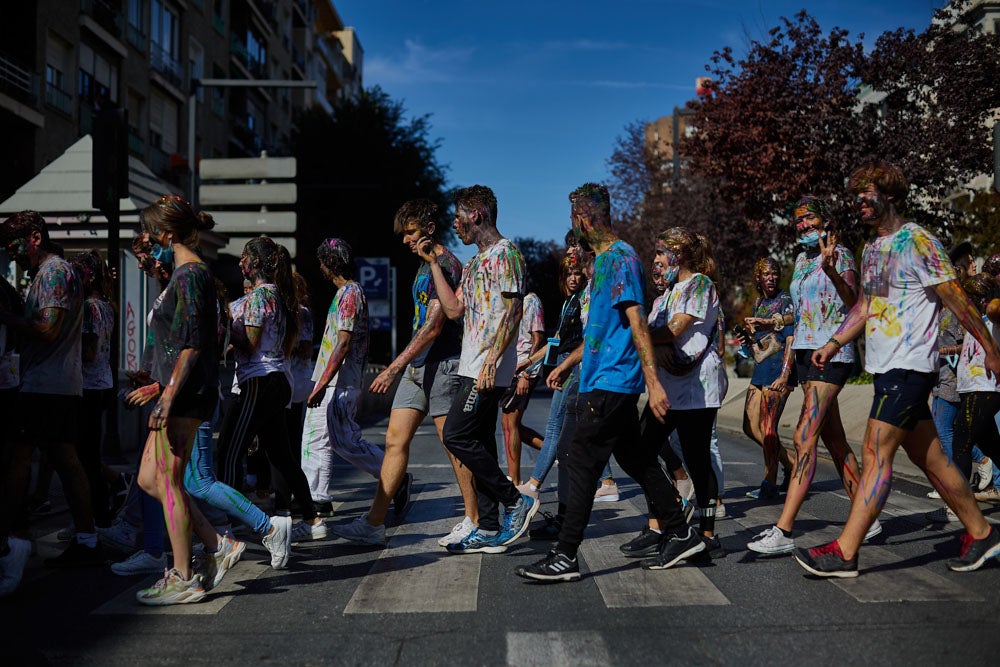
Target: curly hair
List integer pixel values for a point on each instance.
(421, 213)
(594, 199)
(765, 264)
(23, 224)
(992, 265)
(888, 178)
(271, 262)
(694, 250)
(981, 288)
(337, 257)
(477, 198)
(170, 213)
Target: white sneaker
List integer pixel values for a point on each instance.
(720, 511)
(984, 469)
(305, 532)
(772, 541)
(933, 494)
(458, 533)
(140, 562)
(279, 541)
(12, 565)
(120, 536)
(361, 532)
(226, 556)
(941, 515)
(990, 495)
(606, 493)
(685, 487)
(875, 529)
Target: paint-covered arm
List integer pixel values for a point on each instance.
(451, 301)
(421, 340)
(781, 383)
(658, 402)
(45, 325)
(852, 327)
(510, 320)
(333, 364)
(846, 285)
(677, 325)
(956, 300)
(557, 376)
(246, 338)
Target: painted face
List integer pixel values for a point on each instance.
(768, 281)
(18, 250)
(808, 226)
(871, 204)
(464, 225)
(574, 281)
(670, 265)
(246, 266)
(412, 234)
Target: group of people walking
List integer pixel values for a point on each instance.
(479, 348)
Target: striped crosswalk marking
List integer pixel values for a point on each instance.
(623, 583)
(556, 649)
(415, 574)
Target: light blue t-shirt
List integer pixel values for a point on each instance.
(610, 362)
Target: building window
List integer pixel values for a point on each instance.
(196, 66)
(98, 80)
(162, 123)
(136, 29)
(164, 28)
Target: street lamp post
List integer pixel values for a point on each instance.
(224, 83)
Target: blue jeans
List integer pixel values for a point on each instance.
(201, 482)
(557, 413)
(943, 413)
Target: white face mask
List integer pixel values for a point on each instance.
(811, 238)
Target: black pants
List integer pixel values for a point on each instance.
(88, 450)
(259, 410)
(694, 428)
(470, 434)
(607, 423)
(975, 425)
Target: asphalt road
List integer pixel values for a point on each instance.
(413, 604)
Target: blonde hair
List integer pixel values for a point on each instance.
(694, 250)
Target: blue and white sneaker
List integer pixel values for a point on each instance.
(477, 543)
(517, 518)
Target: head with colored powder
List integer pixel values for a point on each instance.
(590, 214)
(572, 278)
(25, 237)
(170, 220)
(767, 276)
(679, 248)
(879, 188)
(266, 262)
(142, 246)
(94, 273)
(475, 208)
(812, 220)
(992, 266)
(981, 288)
(336, 259)
(415, 220)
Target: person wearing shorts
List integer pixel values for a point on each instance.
(906, 276)
(823, 287)
(428, 379)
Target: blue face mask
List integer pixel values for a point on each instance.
(670, 275)
(811, 238)
(163, 255)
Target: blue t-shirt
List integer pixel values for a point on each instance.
(610, 362)
(448, 344)
(767, 371)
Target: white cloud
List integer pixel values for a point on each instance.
(418, 64)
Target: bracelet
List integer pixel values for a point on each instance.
(779, 322)
(835, 342)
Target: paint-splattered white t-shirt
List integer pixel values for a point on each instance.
(898, 274)
(972, 375)
(819, 310)
(533, 320)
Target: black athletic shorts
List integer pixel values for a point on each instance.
(835, 372)
(901, 397)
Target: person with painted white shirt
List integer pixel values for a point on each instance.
(906, 278)
(489, 301)
(340, 365)
(513, 403)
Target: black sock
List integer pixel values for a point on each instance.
(561, 512)
(786, 533)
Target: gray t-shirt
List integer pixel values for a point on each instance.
(54, 367)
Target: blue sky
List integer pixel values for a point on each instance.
(528, 97)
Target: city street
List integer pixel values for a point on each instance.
(413, 604)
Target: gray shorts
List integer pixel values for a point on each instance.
(429, 388)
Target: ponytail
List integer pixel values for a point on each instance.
(285, 282)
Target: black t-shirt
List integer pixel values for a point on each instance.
(570, 325)
(185, 315)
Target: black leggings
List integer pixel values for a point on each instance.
(259, 410)
(88, 450)
(694, 427)
(975, 425)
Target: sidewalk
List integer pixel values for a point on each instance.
(855, 402)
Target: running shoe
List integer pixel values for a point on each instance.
(990, 495)
(643, 545)
(555, 567)
(401, 501)
(120, 536)
(713, 548)
(674, 548)
(766, 491)
(549, 530)
(517, 518)
(460, 531)
(974, 553)
(78, 555)
(875, 529)
(771, 541)
(279, 541)
(12, 565)
(141, 562)
(827, 561)
(941, 515)
(983, 475)
(933, 494)
(607, 493)
(172, 589)
(477, 543)
(720, 511)
(226, 555)
(305, 532)
(361, 532)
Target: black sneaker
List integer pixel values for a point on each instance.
(401, 501)
(557, 566)
(827, 561)
(78, 555)
(643, 545)
(976, 552)
(713, 548)
(323, 509)
(675, 547)
(549, 531)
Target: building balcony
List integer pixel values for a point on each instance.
(18, 82)
(239, 50)
(105, 14)
(333, 54)
(164, 63)
(136, 37)
(59, 100)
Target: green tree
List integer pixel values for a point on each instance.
(541, 259)
(355, 168)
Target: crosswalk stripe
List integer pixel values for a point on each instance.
(556, 649)
(415, 574)
(623, 583)
(879, 580)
